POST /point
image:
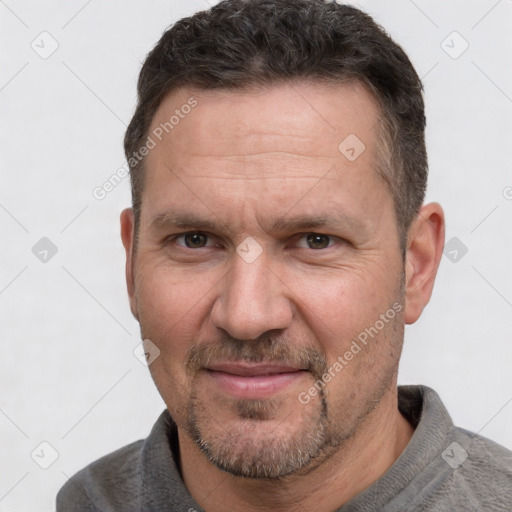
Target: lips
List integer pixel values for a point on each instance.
(252, 370)
(253, 380)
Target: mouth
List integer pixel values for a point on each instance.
(253, 380)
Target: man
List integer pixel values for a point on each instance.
(277, 245)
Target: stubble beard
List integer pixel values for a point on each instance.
(249, 451)
(259, 446)
(264, 444)
(256, 447)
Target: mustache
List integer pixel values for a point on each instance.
(264, 349)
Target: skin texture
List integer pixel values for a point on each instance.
(265, 164)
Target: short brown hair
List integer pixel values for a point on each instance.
(245, 43)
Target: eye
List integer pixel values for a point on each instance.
(315, 241)
(192, 240)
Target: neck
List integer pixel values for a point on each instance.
(357, 464)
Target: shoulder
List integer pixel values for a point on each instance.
(458, 469)
(140, 476)
(486, 464)
(104, 483)
(472, 473)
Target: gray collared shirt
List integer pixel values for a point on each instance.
(443, 468)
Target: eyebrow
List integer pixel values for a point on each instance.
(302, 222)
(188, 220)
(182, 220)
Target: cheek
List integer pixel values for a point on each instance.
(171, 294)
(340, 309)
(171, 310)
(170, 314)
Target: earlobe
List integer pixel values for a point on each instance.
(424, 250)
(127, 237)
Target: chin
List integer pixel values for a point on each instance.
(257, 439)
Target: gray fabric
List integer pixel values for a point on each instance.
(429, 476)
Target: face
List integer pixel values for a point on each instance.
(268, 273)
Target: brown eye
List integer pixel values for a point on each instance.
(317, 241)
(195, 240)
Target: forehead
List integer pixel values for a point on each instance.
(304, 119)
(279, 138)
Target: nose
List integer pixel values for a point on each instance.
(252, 300)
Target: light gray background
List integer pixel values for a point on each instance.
(68, 373)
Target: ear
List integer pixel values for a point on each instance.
(425, 244)
(127, 236)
